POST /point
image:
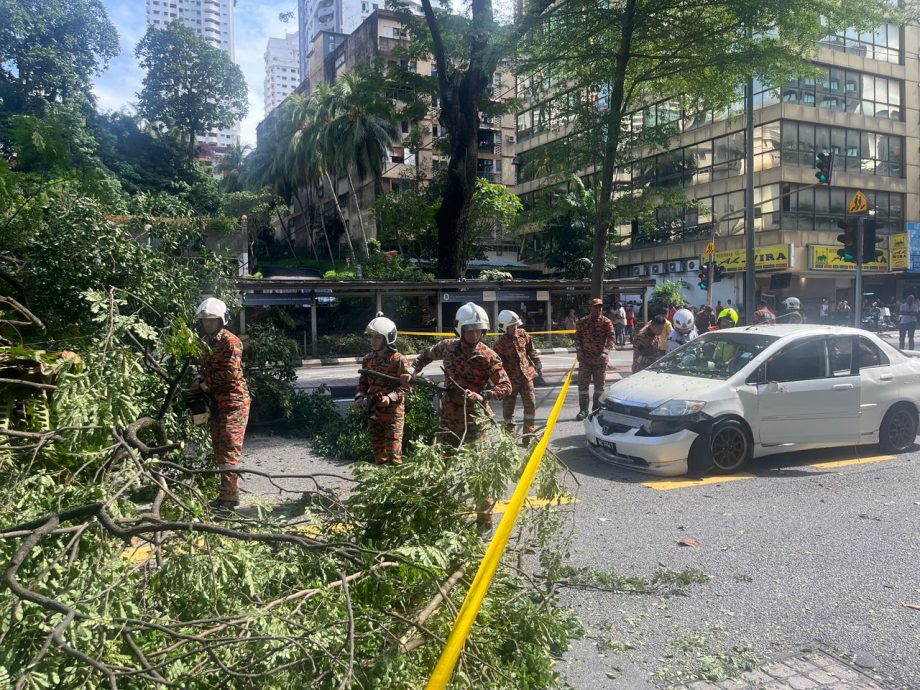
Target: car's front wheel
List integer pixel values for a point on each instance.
(898, 430)
(727, 448)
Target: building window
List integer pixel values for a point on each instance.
(855, 151)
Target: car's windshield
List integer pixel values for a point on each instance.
(716, 355)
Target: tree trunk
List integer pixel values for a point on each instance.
(460, 98)
(614, 121)
(338, 207)
(287, 235)
(354, 194)
(307, 224)
(322, 220)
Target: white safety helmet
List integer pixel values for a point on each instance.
(471, 316)
(506, 318)
(792, 304)
(683, 321)
(212, 308)
(381, 325)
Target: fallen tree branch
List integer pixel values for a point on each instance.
(406, 642)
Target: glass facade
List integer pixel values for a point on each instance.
(884, 43)
(855, 151)
(839, 89)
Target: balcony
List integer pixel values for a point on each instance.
(494, 177)
(661, 236)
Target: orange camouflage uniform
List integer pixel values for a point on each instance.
(384, 424)
(221, 369)
(522, 363)
(646, 349)
(466, 367)
(593, 337)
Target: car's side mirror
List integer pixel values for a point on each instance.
(772, 386)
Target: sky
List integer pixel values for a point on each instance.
(256, 21)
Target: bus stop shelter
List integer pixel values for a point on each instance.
(309, 293)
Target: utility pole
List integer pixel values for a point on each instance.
(857, 307)
(711, 263)
(749, 272)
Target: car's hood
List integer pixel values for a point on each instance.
(651, 389)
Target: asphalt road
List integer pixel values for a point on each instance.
(815, 550)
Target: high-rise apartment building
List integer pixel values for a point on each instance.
(282, 69)
(213, 21)
(861, 105)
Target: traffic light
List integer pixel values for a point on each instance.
(824, 163)
(870, 230)
(704, 276)
(847, 239)
(717, 273)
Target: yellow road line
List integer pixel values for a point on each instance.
(685, 483)
(853, 461)
(534, 502)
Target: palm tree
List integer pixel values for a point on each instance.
(230, 166)
(269, 166)
(309, 160)
(360, 125)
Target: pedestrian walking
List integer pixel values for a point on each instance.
(568, 323)
(824, 311)
(469, 366)
(909, 313)
(843, 312)
(384, 400)
(646, 345)
(618, 317)
(522, 364)
(220, 377)
(593, 343)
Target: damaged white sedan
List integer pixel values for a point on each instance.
(736, 394)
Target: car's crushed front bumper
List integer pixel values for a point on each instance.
(664, 456)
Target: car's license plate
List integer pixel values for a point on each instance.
(607, 444)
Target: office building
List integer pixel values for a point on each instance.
(862, 105)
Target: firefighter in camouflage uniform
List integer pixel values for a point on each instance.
(382, 399)
(522, 364)
(468, 367)
(220, 376)
(594, 340)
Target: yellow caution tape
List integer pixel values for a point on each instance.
(454, 335)
(471, 604)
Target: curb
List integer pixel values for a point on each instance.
(334, 361)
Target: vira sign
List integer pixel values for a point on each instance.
(773, 257)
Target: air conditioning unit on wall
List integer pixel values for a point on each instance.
(639, 270)
(656, 269)
(676, 267)
(693, 264)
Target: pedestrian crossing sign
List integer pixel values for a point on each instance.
(858, 204)
(710, 248)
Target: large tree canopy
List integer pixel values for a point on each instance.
(190, 87)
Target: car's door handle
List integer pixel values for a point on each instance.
(843, 387)
(886, 377)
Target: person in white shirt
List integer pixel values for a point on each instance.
(618, 316)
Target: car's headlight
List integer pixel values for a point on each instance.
(678, 408)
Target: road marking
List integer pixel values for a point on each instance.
(534, 502)
(854, 461)
(684, 483)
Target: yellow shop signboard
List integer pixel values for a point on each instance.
(898, 247)
(822, 257)
(772, 257)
